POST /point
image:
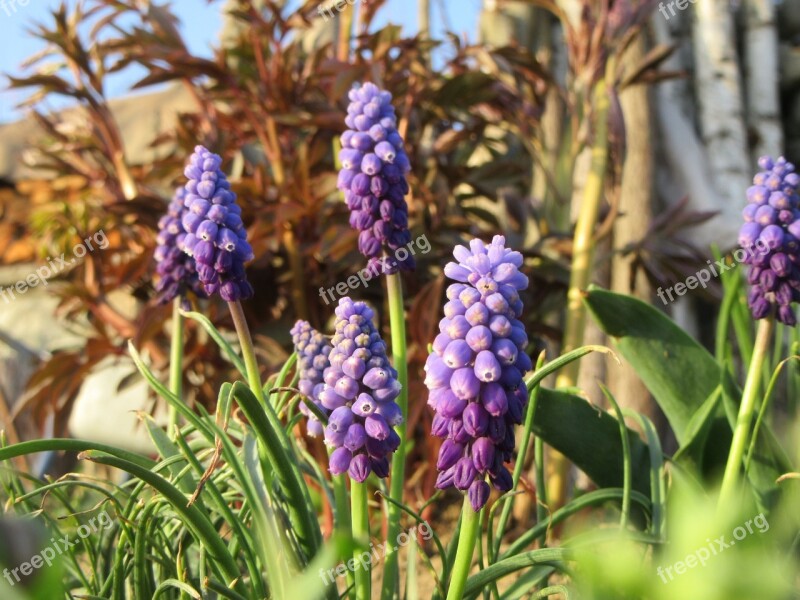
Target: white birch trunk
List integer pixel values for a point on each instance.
(719, 95)
(687, 160)
(762, 78)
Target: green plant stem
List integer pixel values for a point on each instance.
(342, 522)
(176, 362)
(763, 410)
(468, 534)
(400, 361)
(533, 400)
(360, 514)
(541, 483)
(749, 397)
(277, 443)
(583, 249)
(248, 350)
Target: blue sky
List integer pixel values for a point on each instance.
(200, 26)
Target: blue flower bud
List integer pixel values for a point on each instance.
(360, 468)
(478, 494)
(339, 461)
(465, 474)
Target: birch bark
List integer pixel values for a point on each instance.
(719, 95)
(762, 78)
(687, 160)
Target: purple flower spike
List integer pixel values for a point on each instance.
(177, 274)
(362, 386)
(373, 178)
(770, 237)
(312, 350)
(475, 371)
(216, 237)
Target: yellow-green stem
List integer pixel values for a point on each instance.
(741, 433)
(248, 351)
(176, 362)
(342, 521)
(360, 514)
(400, 361)
(583, 248)
(470, 521)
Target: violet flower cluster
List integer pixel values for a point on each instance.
(373, 177)
(360, 388)
(177, 274)
(312, 350)
(216, 236)
(475, 371)
(772, 222)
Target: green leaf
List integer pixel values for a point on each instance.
(554, 365)
(591, 439)
(192, 516)
(166, 450)
(581, 503)
(683, 378)
(284, 461)
(533, 558)
(678, 371)
(70, 445)
(311, 584)
(160, 389)
(698, 429)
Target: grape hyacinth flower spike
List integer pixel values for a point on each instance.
(177, 274)
(360, 388)
(475, 370)
(312, 350)
(216, 236)
(373, 178)
(217, 240)
(770, 241)
(771, 235)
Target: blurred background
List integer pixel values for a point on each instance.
(104, 100)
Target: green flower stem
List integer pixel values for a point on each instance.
(530, 413)
(360, 513)
(342, 521)
(248, 350)
(278, 446)
(533, 401)
(470, 521)
(176, 362)
(741, 432)
(400, 362)
(583, 249)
